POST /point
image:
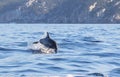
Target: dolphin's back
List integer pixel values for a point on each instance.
(48, 42)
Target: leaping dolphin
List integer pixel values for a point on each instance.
(45, 45)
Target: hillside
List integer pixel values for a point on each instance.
(59, 11)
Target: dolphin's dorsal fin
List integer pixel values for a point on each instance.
(46, 35)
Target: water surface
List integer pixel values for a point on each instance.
(83, 50)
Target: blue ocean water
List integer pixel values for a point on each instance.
(84, 50)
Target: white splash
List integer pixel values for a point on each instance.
(40, 47)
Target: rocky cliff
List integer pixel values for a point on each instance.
(60, 11)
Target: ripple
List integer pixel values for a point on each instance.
(85, 62)
(78, 70)
(24, 32)
(43, 64)
(8, 50)
(115, 72)
(4, 49)
(96, 75)
(28, 70)
(91, 39)
(37, 33)
(23, 63)
(114, 63)
(54, 68)
(76, 65)
(12, 66)
(81, 49)
(3, 35)
(58, 59)
(103, 54)
(21, 44)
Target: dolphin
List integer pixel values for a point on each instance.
(45, 45)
